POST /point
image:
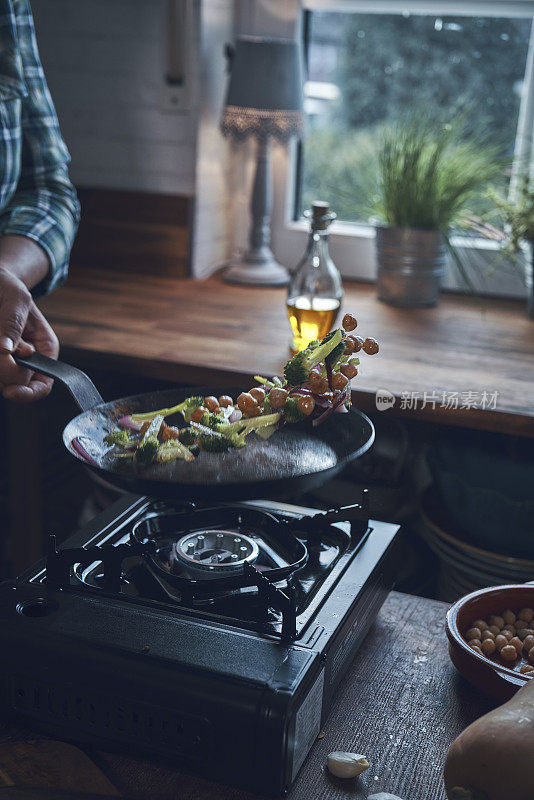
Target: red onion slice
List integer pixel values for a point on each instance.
(80, 449)
(129, 424)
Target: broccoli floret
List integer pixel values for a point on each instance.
(172, 450)
(213, 420)
(244, 426)
(297, 369)
(230, 437)
(194, 449)
(292, 412)
(185, 408)
(147, 450)
(119, 438)
(332, 358)
(187, 436)
(214, 443)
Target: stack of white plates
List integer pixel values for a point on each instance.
(464, 567)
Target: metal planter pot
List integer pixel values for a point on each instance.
(411, 264)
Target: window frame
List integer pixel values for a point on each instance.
(352, 244)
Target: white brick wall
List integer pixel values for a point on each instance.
(105, 65)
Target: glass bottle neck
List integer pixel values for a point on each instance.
(318, 240)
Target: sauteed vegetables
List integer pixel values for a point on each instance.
(316, 383)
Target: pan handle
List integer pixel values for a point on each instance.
(77, 382)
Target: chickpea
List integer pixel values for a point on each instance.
(488, 635)
(348, 370)
(475, 643)
(317, 383)
(494, 629)
(357, 342)
(508, 653)
(498, 621)
(505, 632)
(253, 411)
(306, 405)
(520, 624)
(211, 404)
(480, 624)
(144, 427)
(517, 643)
(528, 643)
(510, 628)
(339, 381)
(349, 322)
(474, 633)
(531, 655)
(527, 614)
(277, 398)
(370, 346)
(488, 647)
(508, 616)
(225, 400)
(524, 632)
(258, 394)
(500, 642)
(198, 413)
(526, 669)
(349, 343)
(245, 401)
(169, 433)
(478, 650)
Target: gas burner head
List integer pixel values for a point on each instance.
(215, 553)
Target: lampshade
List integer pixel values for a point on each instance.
(265, 90)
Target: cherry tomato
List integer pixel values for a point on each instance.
(306, 405)
(211, 403)
(349, 322)
(339, 381)
(258, 394)
(370, 346)
(253, 411)
(225, 400)
(170, 433)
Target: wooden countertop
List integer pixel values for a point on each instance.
(401, 704)
(209, 332)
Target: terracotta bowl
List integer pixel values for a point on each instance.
(492, 677)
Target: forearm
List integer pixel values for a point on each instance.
(23, 258)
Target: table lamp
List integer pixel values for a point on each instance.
(264, 100)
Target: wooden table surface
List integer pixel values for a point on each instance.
(211, 332)
(401, 704)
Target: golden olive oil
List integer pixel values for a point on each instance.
(311, 319)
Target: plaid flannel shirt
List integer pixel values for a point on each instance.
(37, 199)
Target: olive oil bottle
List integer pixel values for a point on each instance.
(315, 290)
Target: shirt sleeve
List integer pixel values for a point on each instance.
(44, 206)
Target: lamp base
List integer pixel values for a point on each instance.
(261, 270)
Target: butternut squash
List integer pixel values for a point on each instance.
(492, 758)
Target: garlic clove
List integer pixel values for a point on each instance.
(346, 765)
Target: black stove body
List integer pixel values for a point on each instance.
(212, 637)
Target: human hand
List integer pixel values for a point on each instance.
(23, 329)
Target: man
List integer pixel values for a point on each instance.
(39, 210)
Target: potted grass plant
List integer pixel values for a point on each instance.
(517, 215)
(427, 176)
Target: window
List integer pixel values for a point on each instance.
(365, 70)
(368, 63)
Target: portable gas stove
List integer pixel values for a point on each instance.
(211, 636)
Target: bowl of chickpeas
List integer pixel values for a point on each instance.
(491, 638)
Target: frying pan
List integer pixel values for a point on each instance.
(295, 459)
